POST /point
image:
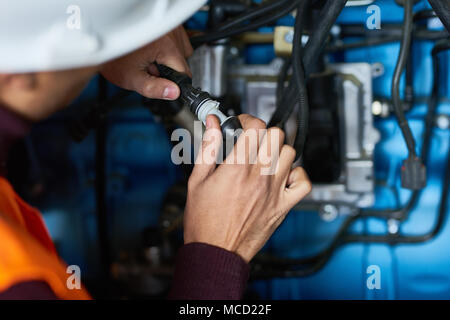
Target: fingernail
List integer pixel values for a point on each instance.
(170, 93)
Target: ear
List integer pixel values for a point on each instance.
(20, 81)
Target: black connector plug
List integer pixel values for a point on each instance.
(201, 103)
(414, 174)
(192, 97)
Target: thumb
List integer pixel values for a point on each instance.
(154, 87)
(206, 161)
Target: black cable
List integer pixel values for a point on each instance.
(296, 86)
(401, 213)
(388, 30)
(316, 43)
(408, 92)
(282, 114)
(313, 48)
(299, 78)
(401, 62)
(398, 239)
(317, 261)
(285, 107)
(442, 9)
(287, 262)
(281, 80)
(420, 34)
(217, 35)
(424, 15)
(369, 42)
(262, 9)
(296, 91)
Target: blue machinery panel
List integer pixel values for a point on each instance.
(413, 271)
(139, 172)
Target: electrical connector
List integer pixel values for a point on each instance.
(414, 174)
(200, 102)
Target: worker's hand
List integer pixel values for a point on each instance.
(137, 72)
(238, 206)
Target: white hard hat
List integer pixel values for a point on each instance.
(43, 35)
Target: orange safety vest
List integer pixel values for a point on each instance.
(27, 252)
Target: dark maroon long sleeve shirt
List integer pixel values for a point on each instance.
(205, 272)
(202, 271)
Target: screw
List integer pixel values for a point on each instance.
(443, 121)
(289, 36)
(234, 51)
(380, 108)
(393, 226)
(335, 30)
(328, 212)
(377, 69)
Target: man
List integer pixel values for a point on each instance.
(231, 210)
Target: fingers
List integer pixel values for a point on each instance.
(186, 43)
(137, 72)
(287, 157)
(247, 146)
(160, 88)
(206, 161)
(171, 52)
(269, 152)
(298, 186)
(154, 87)
(249, 121)
(175, 61)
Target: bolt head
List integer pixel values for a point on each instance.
(289, 36)
(328, 212)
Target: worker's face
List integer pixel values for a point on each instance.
(36, 96)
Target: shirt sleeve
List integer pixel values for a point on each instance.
(206, 272)
(32, 290)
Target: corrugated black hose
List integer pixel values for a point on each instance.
(328, 16)
(316, 43)
(299, 78)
